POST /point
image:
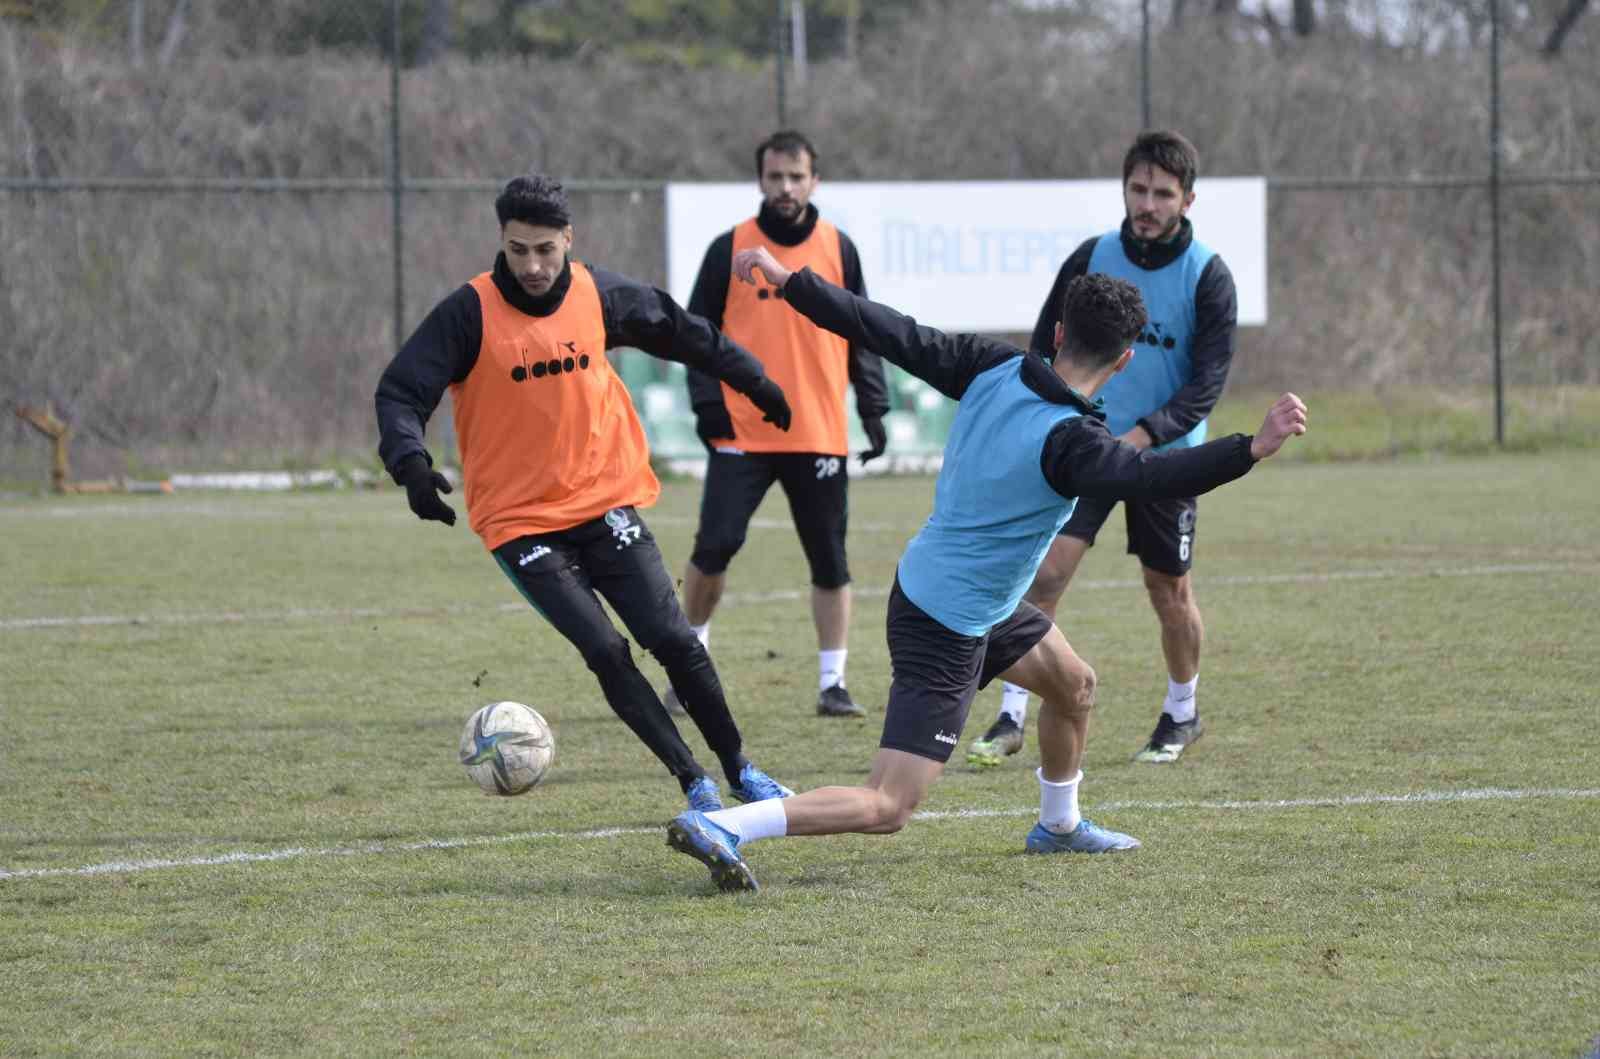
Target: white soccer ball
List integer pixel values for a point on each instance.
(507, 747)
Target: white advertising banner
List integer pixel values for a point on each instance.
(976, 255)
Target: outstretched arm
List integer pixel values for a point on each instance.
(647, 318)
(1081, 459)
(948, 362)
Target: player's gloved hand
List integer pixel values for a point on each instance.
(712, 422)
(768, 396)
(873, 426)
(423, 486)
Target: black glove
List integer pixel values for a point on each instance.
(711, 421)
(873, 426)
(423, 486)
(768, 396)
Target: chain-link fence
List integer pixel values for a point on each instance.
(217, 221)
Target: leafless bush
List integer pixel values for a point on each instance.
(227, 325)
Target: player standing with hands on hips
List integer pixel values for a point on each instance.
(556, 465)
(746, 453)
(1160, 402)
(1026, 442)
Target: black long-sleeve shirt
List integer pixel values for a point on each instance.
(1216, 312)
(1080, 457)
(444, 347)
(710, 298)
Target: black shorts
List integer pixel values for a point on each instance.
(816, 486)
(1160, 532)
(937, 672)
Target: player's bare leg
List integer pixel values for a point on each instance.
(1182, 633)
(1005, 735)
(896, 786)
(830, 612)
(1065, 684)
(701, 594)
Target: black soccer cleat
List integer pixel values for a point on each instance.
(1169, 740)
(1003, 739)
(834, 701)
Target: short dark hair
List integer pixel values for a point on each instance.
(786, 141)
(1167, 149)
(1101, 316)
(534, 199)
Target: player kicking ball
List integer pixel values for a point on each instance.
(1026, 442)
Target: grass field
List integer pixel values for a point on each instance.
(233, 822)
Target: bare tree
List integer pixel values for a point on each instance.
(25, 141)
(435, 32)
(177, 24)
(1563, 26)
(1305, 18)
(136, 33)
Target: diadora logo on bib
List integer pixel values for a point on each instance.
(1153, 335)
(539, 369)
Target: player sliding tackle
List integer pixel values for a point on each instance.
(1026, 442)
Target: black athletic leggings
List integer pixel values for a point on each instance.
(565, 574)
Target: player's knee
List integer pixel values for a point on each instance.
(607, 655)
(712, 554)
(830, 579)
(1085, 686)
(829, 568)
(1171, 596)
(672, 646)
(1049, 583)
(1077, 685)
(892, 812)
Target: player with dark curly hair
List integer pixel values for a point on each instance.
(1026, 442)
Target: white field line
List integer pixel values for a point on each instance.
(372, 849)
(750, 598)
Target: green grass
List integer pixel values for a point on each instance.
(301, 665)
(1389, 421)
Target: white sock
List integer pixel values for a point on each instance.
(703, 634)
(1180, 699)
(1058, 803)
(765, 819)
(1014, 702)
(830, 668)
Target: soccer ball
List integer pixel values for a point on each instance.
(506, 747)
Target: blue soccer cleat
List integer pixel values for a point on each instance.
(703, 795)
(1087, 837)
(756, 786)
(715, 847)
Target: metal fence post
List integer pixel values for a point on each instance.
(1144, 65)
(777, 59)
(398, 217)
(1494, 216)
